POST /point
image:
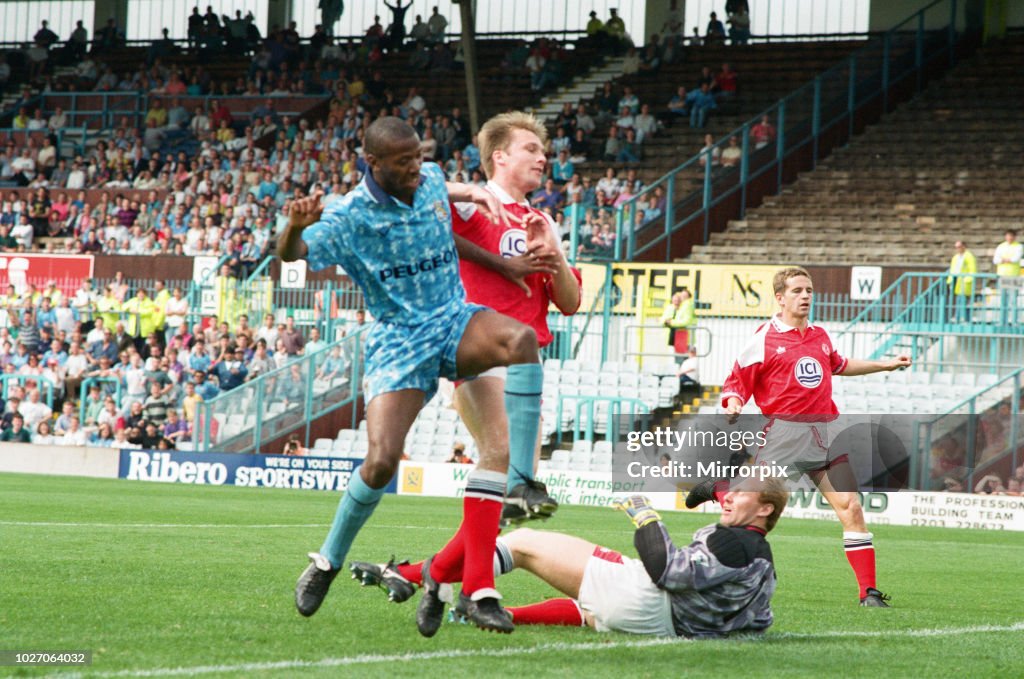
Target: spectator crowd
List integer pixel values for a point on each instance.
(126, 368)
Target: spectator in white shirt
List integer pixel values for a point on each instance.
(75, 436)
(34, 411)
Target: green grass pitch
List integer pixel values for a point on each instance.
(171, 580)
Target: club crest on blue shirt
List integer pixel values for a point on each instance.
(441, 211)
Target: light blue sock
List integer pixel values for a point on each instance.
(523, 387)
(355, 508)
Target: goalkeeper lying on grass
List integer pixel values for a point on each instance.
(720, 583)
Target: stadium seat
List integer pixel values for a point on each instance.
(661, 368)
(558, 464)
(579, 460)
(560, 455)
(582, 445)
(649, 381)
(570, 377)
(964, 379)
(630, 380)
(323, 444)
(898, 377)
(986, 380)
(921, 391)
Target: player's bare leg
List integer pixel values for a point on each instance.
(837, 485)
(388, 419)
(481, 405)
(523, 386)
(558, 559)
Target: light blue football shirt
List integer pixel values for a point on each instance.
(403, 257)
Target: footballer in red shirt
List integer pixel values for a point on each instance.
(788, 368)
(519, 270)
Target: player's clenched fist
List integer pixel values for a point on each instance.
(305, 211)
(540, 239)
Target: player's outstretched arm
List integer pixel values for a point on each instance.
(855, 366)
(302, 213)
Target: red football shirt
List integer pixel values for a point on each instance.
(487, 287)
(789, 375)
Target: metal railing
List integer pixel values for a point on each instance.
(87, 384)
(934, 317)
(284, 400)
(980, 432)
(23, 135)
(603, 415)
(809, 121)
(42, 382)
(103, 110)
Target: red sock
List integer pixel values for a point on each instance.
(469, 556)
(860, 552)
(413, 572)
(479, 532)
(550, 612)
(447, 564)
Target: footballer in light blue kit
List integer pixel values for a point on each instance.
(392, 235)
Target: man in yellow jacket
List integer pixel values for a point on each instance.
(142, 317)
(160, 298)
(962, 266)
(679, 316)
(108, 308)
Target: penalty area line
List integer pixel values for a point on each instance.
(609, 644)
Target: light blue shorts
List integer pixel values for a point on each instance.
(415, 356)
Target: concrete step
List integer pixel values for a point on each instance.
(581, 87)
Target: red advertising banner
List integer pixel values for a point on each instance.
(67, 271)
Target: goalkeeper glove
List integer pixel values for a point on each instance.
(638, 509)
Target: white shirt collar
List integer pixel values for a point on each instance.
(503, 195)
(783, 327)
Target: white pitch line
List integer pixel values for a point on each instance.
(375, 659)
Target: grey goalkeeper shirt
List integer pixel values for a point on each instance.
(720, 583)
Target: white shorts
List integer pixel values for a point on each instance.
(617, 591)
(802, 446)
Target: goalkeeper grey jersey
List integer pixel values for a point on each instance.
(722, 582)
